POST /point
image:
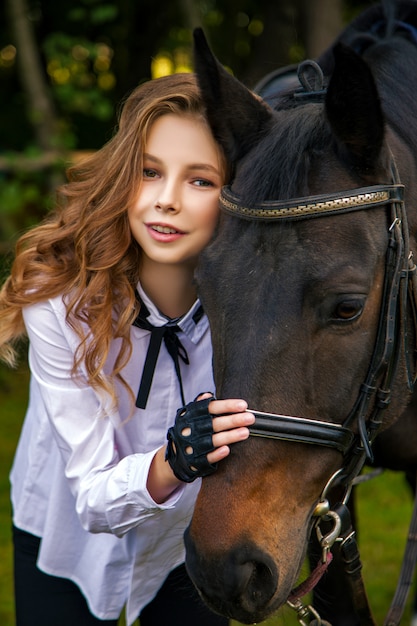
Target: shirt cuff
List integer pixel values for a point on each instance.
(138, 484)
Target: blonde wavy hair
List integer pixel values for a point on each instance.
(84, 249)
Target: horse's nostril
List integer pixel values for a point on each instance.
(261, 585)
(264, 576)
(250, 578)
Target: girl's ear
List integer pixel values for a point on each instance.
(237, 117)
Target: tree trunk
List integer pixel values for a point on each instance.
(323, 22)
(39, 102)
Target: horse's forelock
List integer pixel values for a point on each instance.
(278, 166)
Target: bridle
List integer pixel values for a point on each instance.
(399, 290)
(354, 437)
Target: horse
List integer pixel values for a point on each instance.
(310, 288)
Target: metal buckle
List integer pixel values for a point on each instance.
(324, 513)
(305, 611)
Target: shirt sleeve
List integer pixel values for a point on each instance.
(110, 491)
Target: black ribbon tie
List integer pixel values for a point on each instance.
(169, 334)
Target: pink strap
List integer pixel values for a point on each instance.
(312, 580)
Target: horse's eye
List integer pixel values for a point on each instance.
(348, 310)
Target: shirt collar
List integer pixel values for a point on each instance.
(193, 323)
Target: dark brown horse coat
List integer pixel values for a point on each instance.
(294, 305)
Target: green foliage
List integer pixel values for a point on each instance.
(94, 11)
(13, 395)
(81, 82)
(25, 198)
(81, 74)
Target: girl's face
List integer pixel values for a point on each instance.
(176, 210)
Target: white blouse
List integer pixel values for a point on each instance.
(80, 470)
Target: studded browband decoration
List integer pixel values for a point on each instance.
(313, 206)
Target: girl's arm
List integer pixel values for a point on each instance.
(105, 474)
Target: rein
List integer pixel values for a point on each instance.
(399, 291)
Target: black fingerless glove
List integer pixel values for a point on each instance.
(189, 466)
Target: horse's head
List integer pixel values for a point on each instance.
(294, 305)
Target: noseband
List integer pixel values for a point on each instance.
(399, 290)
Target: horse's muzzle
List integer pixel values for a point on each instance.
(238, 584)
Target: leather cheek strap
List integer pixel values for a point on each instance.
(187, 453)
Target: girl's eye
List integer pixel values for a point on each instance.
(200, 182)
(149, 173)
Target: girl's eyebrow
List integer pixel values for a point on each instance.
(150, 157)
(192, 167)
(204, 166)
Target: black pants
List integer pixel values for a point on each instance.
(43, 600)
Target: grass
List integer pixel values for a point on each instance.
(384, 505)
(13, 399)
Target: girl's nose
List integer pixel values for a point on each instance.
(168, 199)
(167, 206)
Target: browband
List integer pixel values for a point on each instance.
(313, 206)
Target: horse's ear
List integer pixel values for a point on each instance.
(237, 117)
(353, 108)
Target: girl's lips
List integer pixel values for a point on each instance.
(164, 232)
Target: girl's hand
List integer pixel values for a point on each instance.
(202, 433)
(230, 425)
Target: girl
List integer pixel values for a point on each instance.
(117, 342)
